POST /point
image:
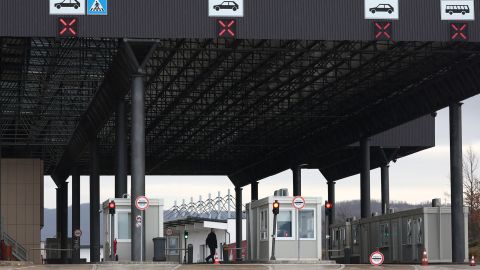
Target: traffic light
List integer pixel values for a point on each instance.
(328, 208)
(276, 207)
(185, 234)
(111, 207)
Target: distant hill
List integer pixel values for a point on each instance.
(348, 209)
(49, 228)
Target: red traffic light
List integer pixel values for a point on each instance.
(111, 207)
(328, 205)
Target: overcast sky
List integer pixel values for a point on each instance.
(416, 178)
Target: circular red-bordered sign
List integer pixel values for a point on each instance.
(142, 203)
(376, 258)
(298, 202)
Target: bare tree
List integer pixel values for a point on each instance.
(471, 184)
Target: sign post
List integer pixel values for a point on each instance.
(298, 203)
(141, 203)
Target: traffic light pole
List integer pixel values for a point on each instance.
(273, 237)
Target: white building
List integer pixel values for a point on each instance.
(153, 219)
(198, 229)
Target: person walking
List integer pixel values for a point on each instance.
(212, 245)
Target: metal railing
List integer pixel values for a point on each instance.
(17, 250)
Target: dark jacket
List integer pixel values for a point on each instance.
(211, 240)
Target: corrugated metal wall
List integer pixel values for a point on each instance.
(264, 19)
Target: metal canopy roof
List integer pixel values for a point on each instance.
(243, 108)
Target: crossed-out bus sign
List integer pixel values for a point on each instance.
(376, 258)
(298, 202)
(142, 203)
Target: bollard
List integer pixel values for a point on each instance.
(225, 253)
(190, 254)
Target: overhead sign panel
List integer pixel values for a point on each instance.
(381, 9)
(67, 7)
(457, 10)
(220, 8)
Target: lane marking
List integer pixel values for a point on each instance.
(342, 266)
(176, 267)
(26, 267)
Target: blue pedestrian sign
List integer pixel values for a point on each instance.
(97, 7)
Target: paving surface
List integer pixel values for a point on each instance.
(235, 267)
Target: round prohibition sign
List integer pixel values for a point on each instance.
(376, 258)
(298, 202)
(142, 203)
(77, 233)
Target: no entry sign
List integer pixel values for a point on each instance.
(298, 202)
(142, 203)
(77, 233)
(376, 258)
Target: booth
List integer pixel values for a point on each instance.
(121, 229)
(298, 233)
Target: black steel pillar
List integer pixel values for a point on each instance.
(94, 204)
(138, 163)
(75, 212)
(59, 213)
(365, 178)
(64, 221)
(120, 149)
(238, 222)
(385, 183)
(331, 198)
(456, 182)
(297, 181)
(254, 186)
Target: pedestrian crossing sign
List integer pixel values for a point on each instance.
(97, 7)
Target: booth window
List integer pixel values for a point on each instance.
(124, 225)
(264, 225)
(306, 219)
(173, 243)
(385, 231)
(284, 224)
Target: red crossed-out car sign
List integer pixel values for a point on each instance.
(67, 27)
(459, 31)
(226, 28)
(382, 30)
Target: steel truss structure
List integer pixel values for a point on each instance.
(243, 108)
(218, 208)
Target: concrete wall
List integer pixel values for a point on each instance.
(22, 202)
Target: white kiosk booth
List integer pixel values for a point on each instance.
(298, 234)
(122, 228)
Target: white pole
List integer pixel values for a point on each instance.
(298, 237)
(141, 239)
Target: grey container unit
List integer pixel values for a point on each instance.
(401, 236)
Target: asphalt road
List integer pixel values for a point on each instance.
(235, 267)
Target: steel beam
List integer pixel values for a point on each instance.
(138, 163)
(456, 182)
(365, 210)
(238, 222)
(75, 212)
(121, 149)
(254, 191)
(331, 198)
(94, 204)
(132, 55)
(297, 181)
(385, 186)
